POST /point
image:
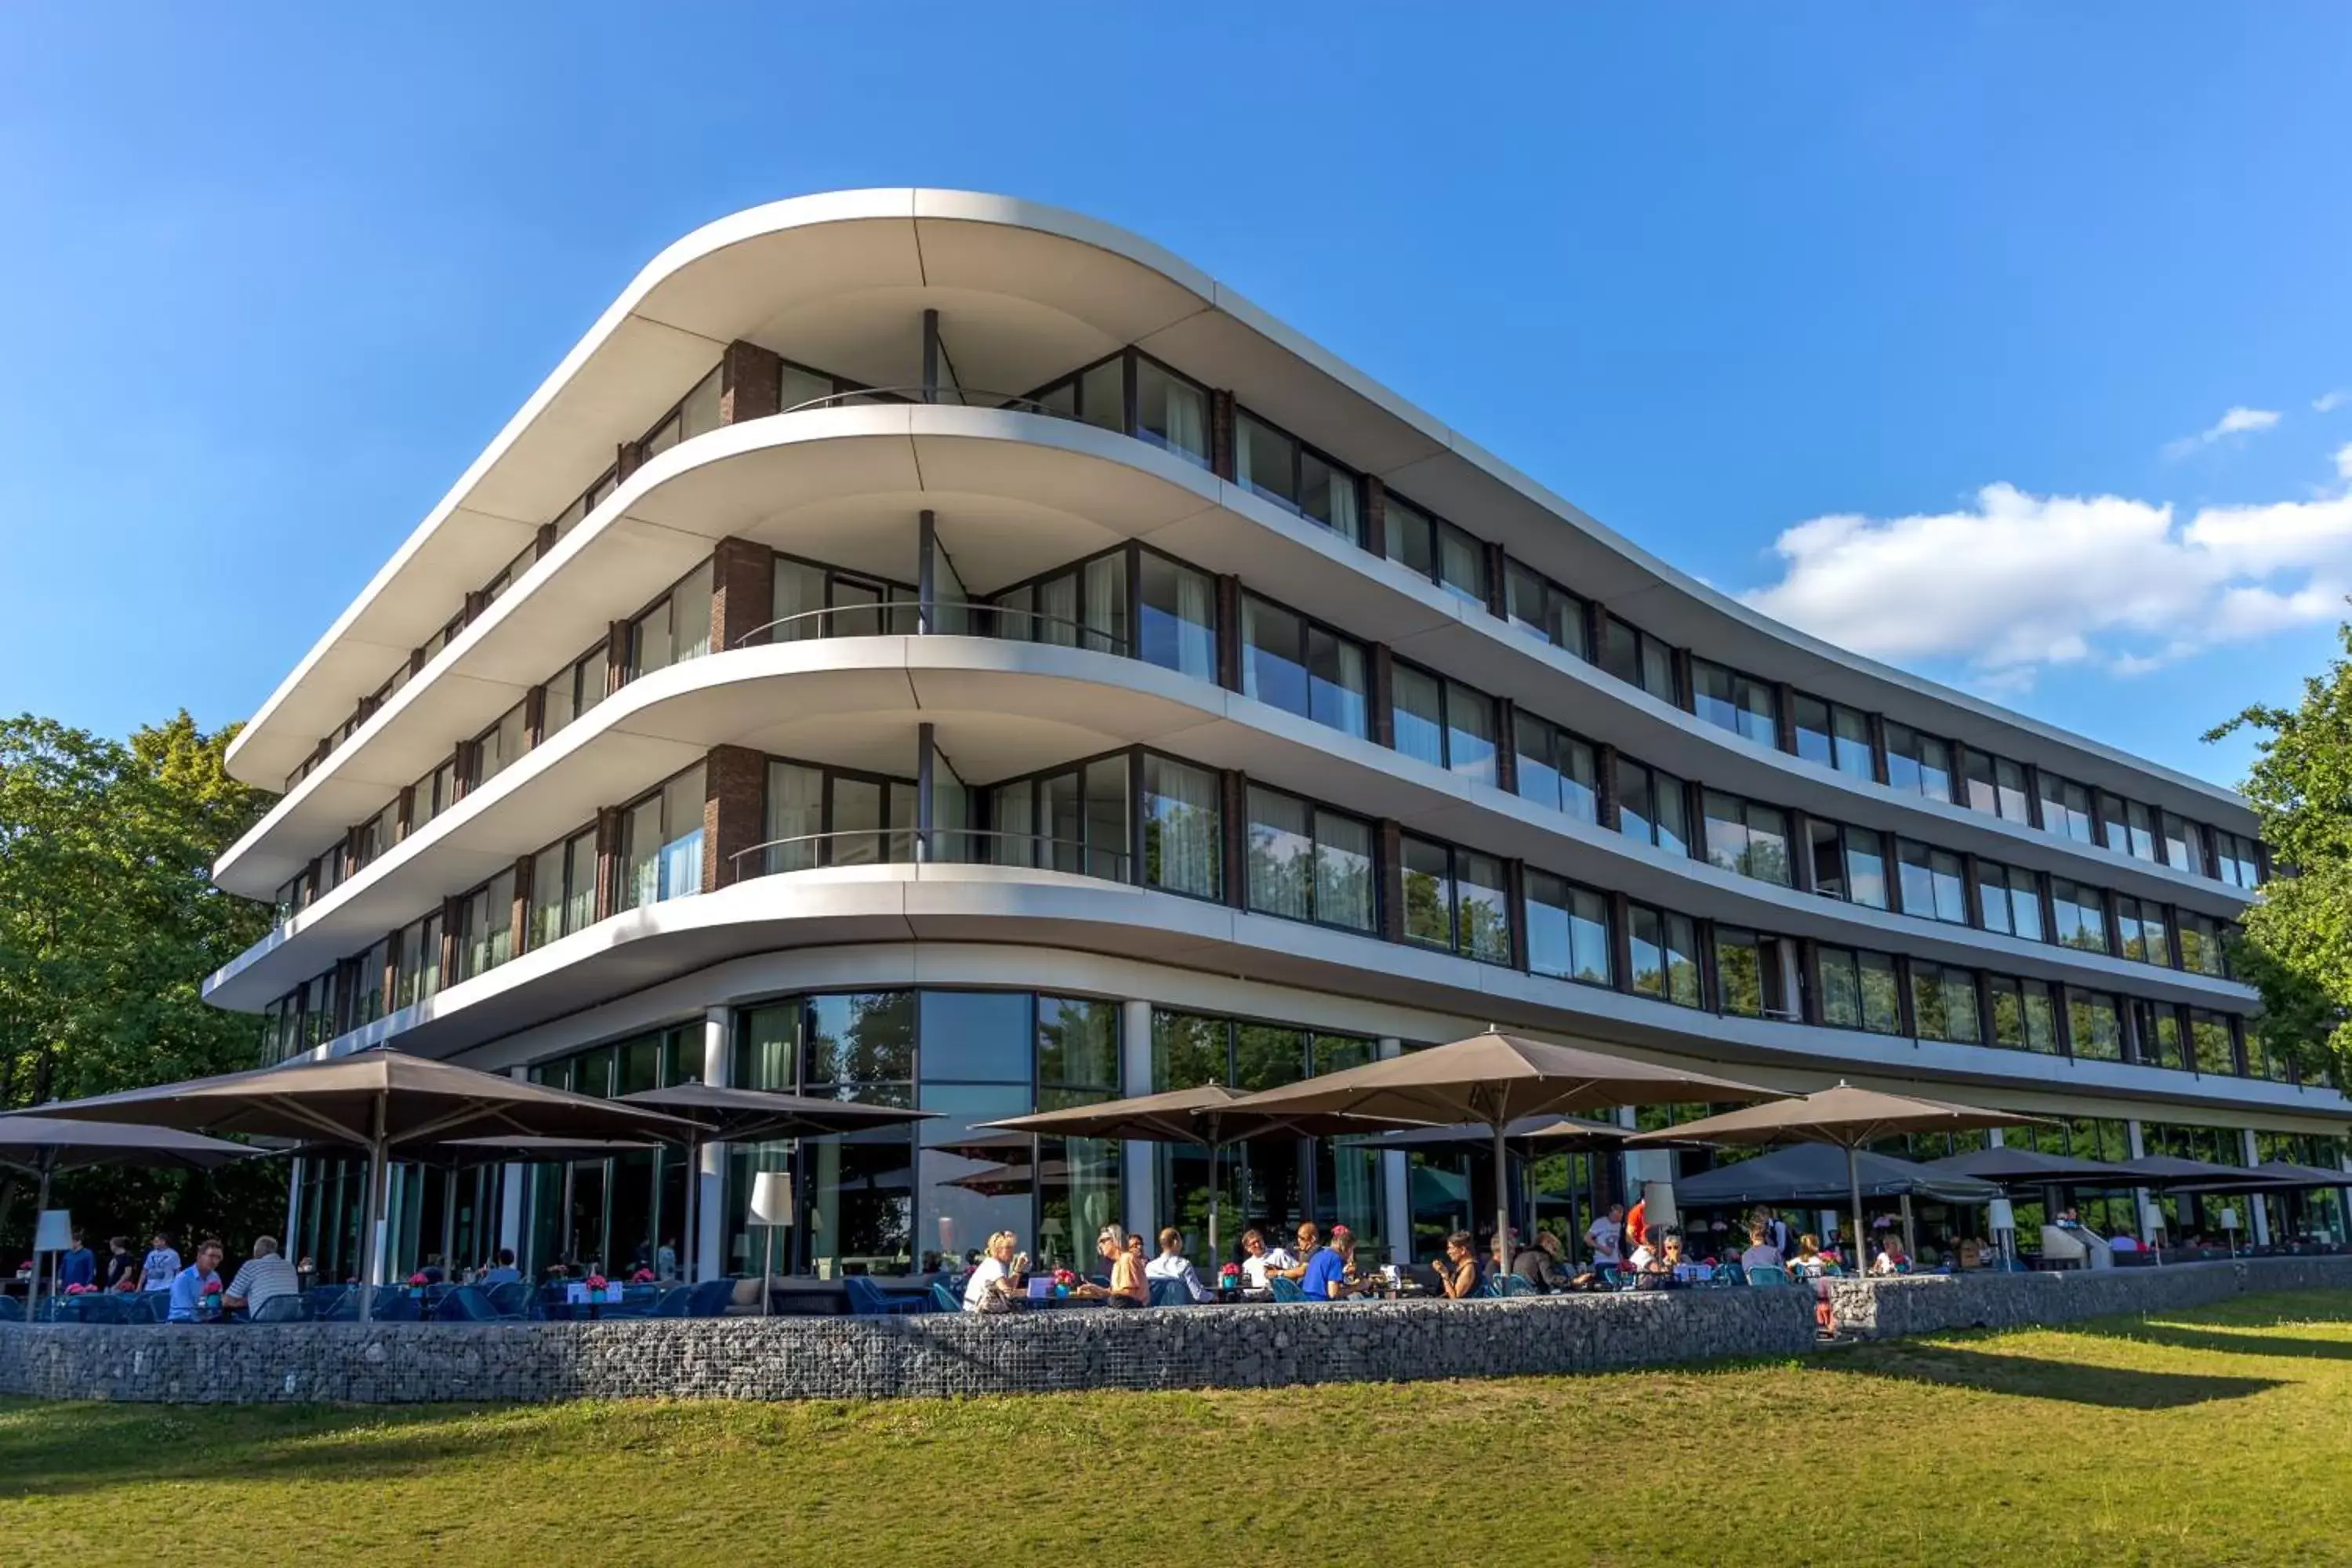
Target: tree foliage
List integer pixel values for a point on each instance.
(2297, 947)
(109, 924)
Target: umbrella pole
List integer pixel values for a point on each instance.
(1502, 1199)
(1853, 1191)
(1216, 1259)
(371, 1244)
(40, 1207)
(1910, 1237)
(692, 1240)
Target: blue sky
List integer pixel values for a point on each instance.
(272, 276)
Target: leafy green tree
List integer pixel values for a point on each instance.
(109, 924)
(2297, 946)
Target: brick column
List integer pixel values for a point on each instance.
(608, 862)
(522, 881)
(1383, 695)
(742, 592)
(1515, 898)
(534, 717)
(1235, 791)
(1221, 435)
(1507, 748)
(1604, 786)
(751, 382)
(1784, 729)
(1229, 632)
(1620, 941)
(616, 656)
(1878, 747)
(1376, 516)
(734, 812)
(625, 458)
(1497, 594)
(1390, 870)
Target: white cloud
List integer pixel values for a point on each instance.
(2240, 421)
(2014, 584)
(2344, 461)
(2329, 402)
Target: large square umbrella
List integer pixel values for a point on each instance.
(43, 1145)
(1493, 1079)
(2030, 1168)
(711, 1113)
(382, 1100)
(1210, 1114)
(1843, 1116)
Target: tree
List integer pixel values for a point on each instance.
(2297, 946)
(109, 924)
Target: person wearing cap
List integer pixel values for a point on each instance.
(1326, 1277)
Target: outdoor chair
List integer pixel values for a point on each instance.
(391, 1305)
(12, 1310)
(711, 1299)
(323, 1300)
(1499, 1286)
(1285, 1290)
(1770, 1277)
(1170, 1293)
(466, 1304)
(943, 1300)
(146, 1305)
(867, 1300)
(1613, 1276)
(1729, 1274)
(673, 1302)
(512, 1301)
(280, 1309)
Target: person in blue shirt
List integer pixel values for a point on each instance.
(1326, 1275)
(78, 1266)
(194, 1283)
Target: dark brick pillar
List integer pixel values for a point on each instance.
(521, 913)
(734, 812)
(1515, 898)
(534, 715)
(1229, 632)
(1383, 695)
(1808, 995)
(1497, 592)
(1604, 786)
(1507, 750)
(1784, 729)
(625, 458)
(751, 382)
(542, 541)
(616, 657)
(1392, 875)
(1376, 516)
(2033, 798)
(1235, 791)
(608, 862)
(1620, 941)
(742, 592)
(1221, 434)
(453, 939)
(1878, 747)
(391, 972)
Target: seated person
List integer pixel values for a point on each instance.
(1761, 1253)
(191, 1286)
(1310, 1241)
(1809, 1259)
(1659, 1272)
(1172, 1264)
(1457, 1270)
(264, 1278)
(1890, 1258)
(1258, 1261)
(1128, 1287)
(504, 1272)
(1536, 1265)
(995, 1285)
(1329, 1273)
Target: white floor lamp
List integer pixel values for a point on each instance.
(772, 1209)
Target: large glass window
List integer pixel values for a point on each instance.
(1177, 616)
(1994, 785)
(2142, 931)
(1444, 724)
(572, 691)
(431, 795)
(2155, 1032)
(1454, 899)
(2237, 859)
(562, 889)
(2209, 1036)
(1170, 412)
(489, 925)
(2201, 950)
(810, 600)
(676, 630)
(1749, 978)
(1554, 767)
(1184, 828)
(1273, 464)
(1637, 658)
(2184, 845)
(1073, 819)
(1917, 762)
(1435, 549)
(1737, 702)
(2066, 808)
(2096, 1027)
(1664, 948)
(1309, 863)
(1536, 603)
(1747, 838)
(2009, 900)
(1568, 929)
(1849, 863)
(661, 843)
(1303, 667)
(367, 987)
(2081, 915)
(1934, 884)
(1652, 806)
(1944, 1004)
(420, 962)
(1834, 736)
(501, 746)
(826, 817)
(1858, 990)
(2024, 1016)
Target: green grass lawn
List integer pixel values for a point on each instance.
(2222, 1435)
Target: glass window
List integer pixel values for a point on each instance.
(1177, 616)
(2009, 900)
(489, 925)
(1748, 839)
(1433, 548)
(2081, 915)
(367, 992)
(1733, 701)
(676, 630)
(420, 961)
(1944, 1004)
(2200, 945)
(1303, 667)
(2209, 1035)
(2023, 1017)
(2237, 860)
(1833, 736)
(1664, 954)
(1748, 974)
(2096, 1030)
(2140, 822)
(1918, 763)
(1183, 835)
(1444, 724)
(2184, 845)
(1273, 465)
(2142, 932)
(1849, 863)
(1932, 883)
(1170, 412)
(499, 746)
(661, 843)
(1483, 908)
(1637, 658)
(1568, 929)
(1858, 990)
(1554, 768)
(2066, 808)
(1652, 806)
(1428, 893)
(1420, 715)
(1307, 863)
(2156, 1030)
(1536, 603)
(573, 690)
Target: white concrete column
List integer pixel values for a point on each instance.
(1993, 1138)
(2253, 1200)
(710, 1178)
(291, 1249)
(1141, 1160)
(1396, 1182)
(2140, 1227)
(513, 1180)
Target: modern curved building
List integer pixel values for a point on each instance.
(926, 646)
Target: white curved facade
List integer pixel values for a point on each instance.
(1180, 675)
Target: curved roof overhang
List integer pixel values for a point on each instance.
(1034, 291)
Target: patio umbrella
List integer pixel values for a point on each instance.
(2029, 1168)
(1493, 1079)
(1814, 1174)
(2285, 1176)
(2170, 1171)
(1843, 1116)
(752, 1116)
(1211, 1115)
(1562, 1134)
(43, 1145)
(382, 1100)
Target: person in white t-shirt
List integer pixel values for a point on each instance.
(1172, 1264)
(1258, 1260)
(162, 1267)
(1606, 1237)
(995, 1282)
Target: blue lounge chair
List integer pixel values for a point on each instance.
(943, 1300)
(512, 1301)
(1170, 1293)
(466, 1304)
(1285, 1289)
(711, 1299)
(867, 1300)
(1770, 1277)
(1498, 1286)
(281, 1309)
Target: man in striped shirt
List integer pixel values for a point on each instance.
(264, 1277)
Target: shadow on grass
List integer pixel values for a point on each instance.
(2029, 1377)
(2250, 1340)
(62, 1449)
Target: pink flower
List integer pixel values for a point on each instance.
(419, 1281)
(596, 1282)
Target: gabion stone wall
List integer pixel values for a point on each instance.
(933, 1354)
(1933, 1303)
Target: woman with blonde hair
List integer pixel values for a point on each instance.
(995, 1282)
